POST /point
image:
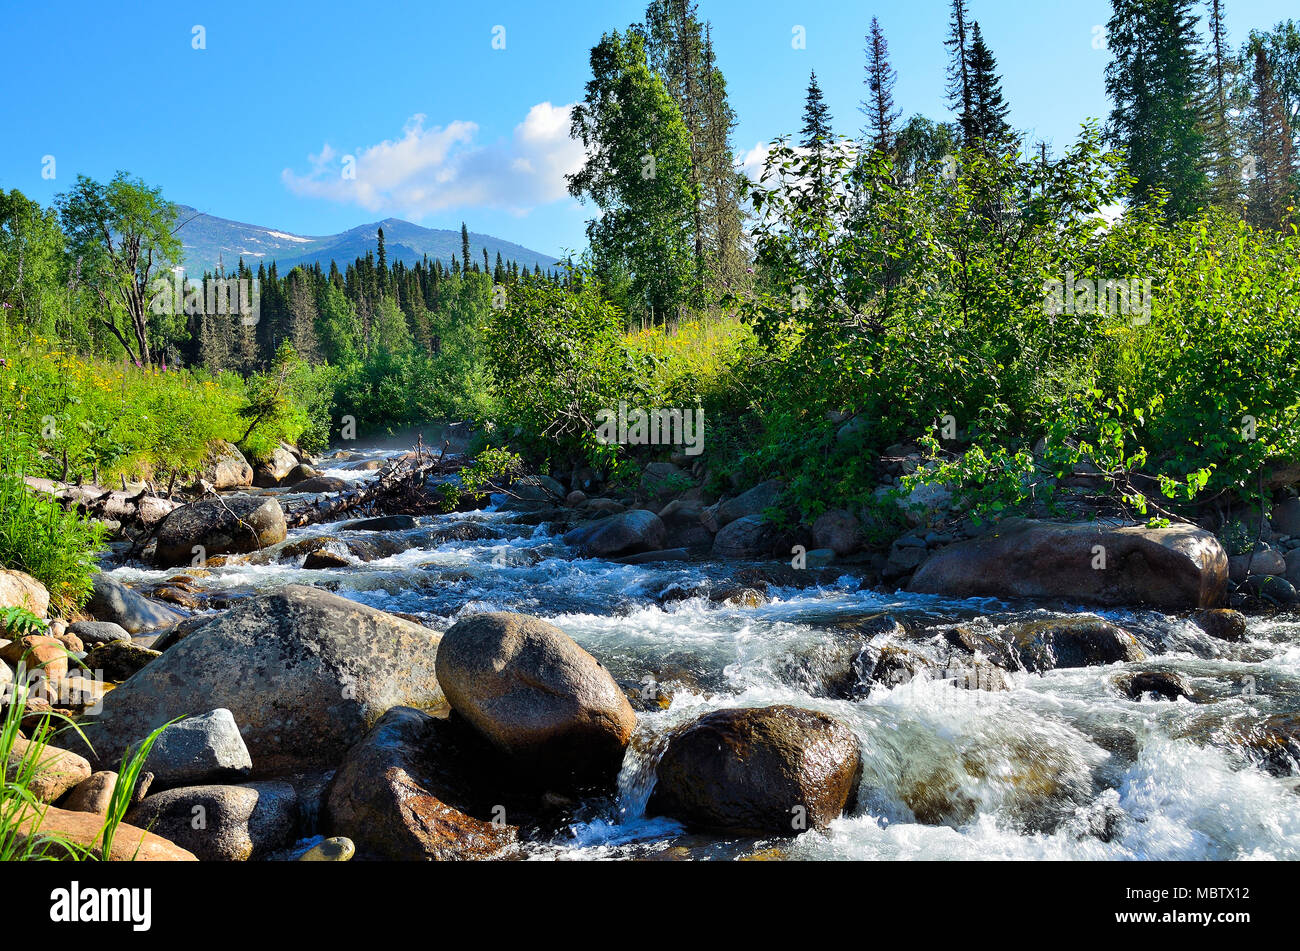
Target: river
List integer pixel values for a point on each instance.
(1061, 765)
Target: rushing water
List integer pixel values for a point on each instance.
(1061, 765)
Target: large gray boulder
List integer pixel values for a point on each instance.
(114, 602)
(681, 519)
(1180, 567)
(197, 750)
(777, 770)
(219, 527)
(536, 695)
(749, 537)
(752, 502)
(406, 792)
(222, 823)
(272, 470)
(305, 674)
(626, 533)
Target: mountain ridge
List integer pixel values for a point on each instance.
(209, 241)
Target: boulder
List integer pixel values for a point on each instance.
(305, 674)
(219, 527)
(661, 481)
(535, 694)
(767, 771)
(625, 533)
(119, 660)
(749, 537)
(84, 830)
(93, 794)
(323, 484)
(39, 652)
(1266, 562)
(384, 523)
(272, 471)
(300, 473)
(752, 502)
(93, 633)
(332, 554)
(225, 467)
(197, 750)
(55, 770)
(222, 823)
(1171, 568)
(537, 488)
(1223, 623)
(113, 601)
(1164, 684)
(402, 794)
(681, 519)
(1082, 641)
(839, 531)
(1286, 517)
(20, 590)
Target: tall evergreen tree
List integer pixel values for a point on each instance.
(989, 110)
(1271, 193)
(1154, 82)
(464, 247)
(879, 104)
(1221, 140)
(959, 79)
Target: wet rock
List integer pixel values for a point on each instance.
(1176, 567)
(119, 660)
(1223, 623)
(768, 771)
(463, 532)
(749, 537)
(222, 823)
(177, 632)
(1272, 589)
(318, 484)
(299, 474)
(384, 523)
(623, 534)
(1081, 641)
(332, 554)
(681, 519)
(982, 643)
(839, 531)
(218, 527)
(198, 750)
(1276, 742)
(653, 557)
(739, 596)
(336, 849)
(1165, 684)
(112, 601)
(84, 830)
(535, 694)
(56, 770)
(304, 672)
(226, 468)
(402, 793)
(1266, 562)
(20, 590)
(575, 498)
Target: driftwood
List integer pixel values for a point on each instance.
(143, 507)
(400, 486)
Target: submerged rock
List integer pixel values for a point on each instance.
(1082, 641)
(1164, 684)
(1223, 623)
(336, 849)
(1177, 567)
(535, 694)
(758, 771)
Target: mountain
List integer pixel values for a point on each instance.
(208, 240)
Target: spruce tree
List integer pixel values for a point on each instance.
(1221, 140)
(988, 123)
(959, 79)
(464, 247)
(879, 104)
(1271, 193)
(1154, 83)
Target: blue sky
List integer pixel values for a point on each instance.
(443, 127)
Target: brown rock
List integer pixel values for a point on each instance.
(56, 770)
(20, 590)
(93, 794)
(83, 829)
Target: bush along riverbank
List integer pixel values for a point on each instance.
(388, 603)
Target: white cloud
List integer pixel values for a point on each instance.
(430, 169)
